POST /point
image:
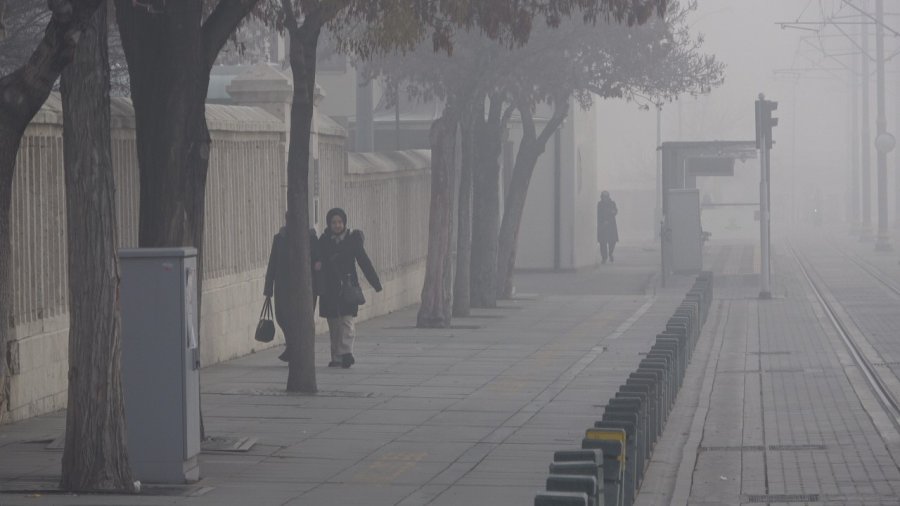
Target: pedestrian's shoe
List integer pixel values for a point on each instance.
(347, 360)
(611, 259)
(335, 363)
(284, 356)
(603, 261)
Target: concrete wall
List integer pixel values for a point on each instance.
(580, 153)
(245, 207)
(577, 200)
(536, 236)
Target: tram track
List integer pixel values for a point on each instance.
(852, 337)
(872, 270)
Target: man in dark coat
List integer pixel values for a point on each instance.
(276, 279)
(340, 250)
(607, 231)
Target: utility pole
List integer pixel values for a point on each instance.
(884, 142)
(657, 215)
(897, 163)
(764, 124)
(794, 167)
(866, 138)
(855, 225)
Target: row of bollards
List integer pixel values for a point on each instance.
(610, 467)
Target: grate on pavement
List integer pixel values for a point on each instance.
(779, 498)
(227, 444)
(745, 448)
(782, 448)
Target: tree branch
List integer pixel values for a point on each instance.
(221, 23)
(290, 18)
(560, 111)
(23, 92)
(528, 130)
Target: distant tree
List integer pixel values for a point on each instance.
(487, 80)
(387, 26)
(95, 455)
(654, 62)
(23, 91)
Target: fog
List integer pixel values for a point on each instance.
(812, 154)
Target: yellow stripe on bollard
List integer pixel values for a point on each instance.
(617, 435)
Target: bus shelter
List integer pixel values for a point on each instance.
(681, 232)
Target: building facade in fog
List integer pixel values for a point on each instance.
(559, 222)
(559, 227)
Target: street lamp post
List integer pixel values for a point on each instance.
(853, 215)
(884, 142)
(866, 137)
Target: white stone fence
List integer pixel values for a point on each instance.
(386, 195)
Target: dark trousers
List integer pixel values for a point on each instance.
(606, 249)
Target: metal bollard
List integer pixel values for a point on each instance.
(561, 499)
(630, 464)
(574, 483)
(613, 444)
(658, 364)
(581, 463)
(655, 411)
(641, 427)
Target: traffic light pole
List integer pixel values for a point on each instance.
(765, 275)
(764, 124)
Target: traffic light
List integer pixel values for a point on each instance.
(765, 122)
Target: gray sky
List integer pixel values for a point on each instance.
(744, 35)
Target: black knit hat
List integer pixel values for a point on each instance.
(337, 211)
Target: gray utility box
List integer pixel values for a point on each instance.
(683, 219)
(160, 363)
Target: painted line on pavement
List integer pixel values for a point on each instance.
(630, 321)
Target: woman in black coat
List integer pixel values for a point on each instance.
(607, 230)
(340, 249)
(276, 279)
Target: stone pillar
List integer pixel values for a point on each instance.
(365, 116)
(263, 86)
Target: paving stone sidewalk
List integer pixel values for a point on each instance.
(460, 416)
(773, 410)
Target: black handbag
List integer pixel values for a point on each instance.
(351, 293)
(265, 329)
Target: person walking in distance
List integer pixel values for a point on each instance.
(276, 280)
(607, 231)
(341, 249)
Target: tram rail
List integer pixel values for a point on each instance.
(874, 377)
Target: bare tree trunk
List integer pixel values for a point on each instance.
(486, 205)
(22, 94)
(461, 284)
(2, 19)
(95, 455)
(301, 323)
(530, 149)
(435, 310)
(9, 147)
(170, 53)
(169, 79)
